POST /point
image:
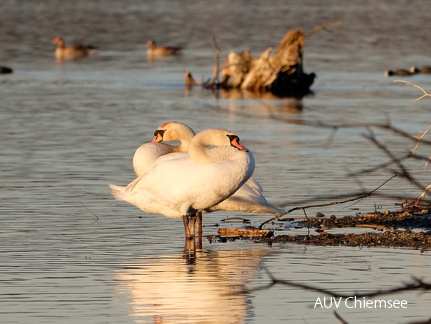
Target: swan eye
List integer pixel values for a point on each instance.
(234, 141)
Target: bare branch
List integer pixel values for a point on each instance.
(420, 138)
(97, 218)
(323, 27)
(338, 316)
(425, 94)
(216, 63)
(404, 171)
(424, 192)
(367, 194)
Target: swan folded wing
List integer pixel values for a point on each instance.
(238, 203)
(246, 199)
(179, 185)
(229, 177)
(254, 185)
(150, 154)
(146, 155)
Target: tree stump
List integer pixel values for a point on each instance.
(282, 73)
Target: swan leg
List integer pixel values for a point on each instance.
(199, 230)
(199, 223)
(189, 226)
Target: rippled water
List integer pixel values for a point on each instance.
(70, 253)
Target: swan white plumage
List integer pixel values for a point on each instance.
(249, 198)
(146, 155)
(215, 167)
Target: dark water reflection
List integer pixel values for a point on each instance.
(69, 252)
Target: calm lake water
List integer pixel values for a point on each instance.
(70, 253)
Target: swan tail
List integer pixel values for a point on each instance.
(118, 192)
(277, 210)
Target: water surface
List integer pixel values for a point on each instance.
(70, 253)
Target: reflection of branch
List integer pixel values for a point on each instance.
(367, 194)
(388, 163)
(417, 284)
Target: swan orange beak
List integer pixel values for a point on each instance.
(234, 141)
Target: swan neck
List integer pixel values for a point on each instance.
(200, 153)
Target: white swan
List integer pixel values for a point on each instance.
(180, 187)
(146, 155)
(249, 198)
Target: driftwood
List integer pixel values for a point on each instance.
(281, 74)
(251, 232)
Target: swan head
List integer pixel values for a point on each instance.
(173, 131)
(219, 137)
(234, 141)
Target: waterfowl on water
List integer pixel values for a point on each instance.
(423, 69)
(190, 81)
(154, 50)
(248, 198)
(398, 72)
(5, 70)
(215, 167)
(147, 154)
(63, 52)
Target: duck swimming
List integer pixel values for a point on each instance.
(422, 70)
(399, 72)
(154, 50)
(63, 52)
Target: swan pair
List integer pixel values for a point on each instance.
(180, 185)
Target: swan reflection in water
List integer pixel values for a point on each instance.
(167, 289)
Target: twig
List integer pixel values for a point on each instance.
(338, 316)
(404, 171)
(216, 69)
(367, 194)
(97, 218)
(420, 138)
(424, 192)
(323, 27)
(425, 94)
